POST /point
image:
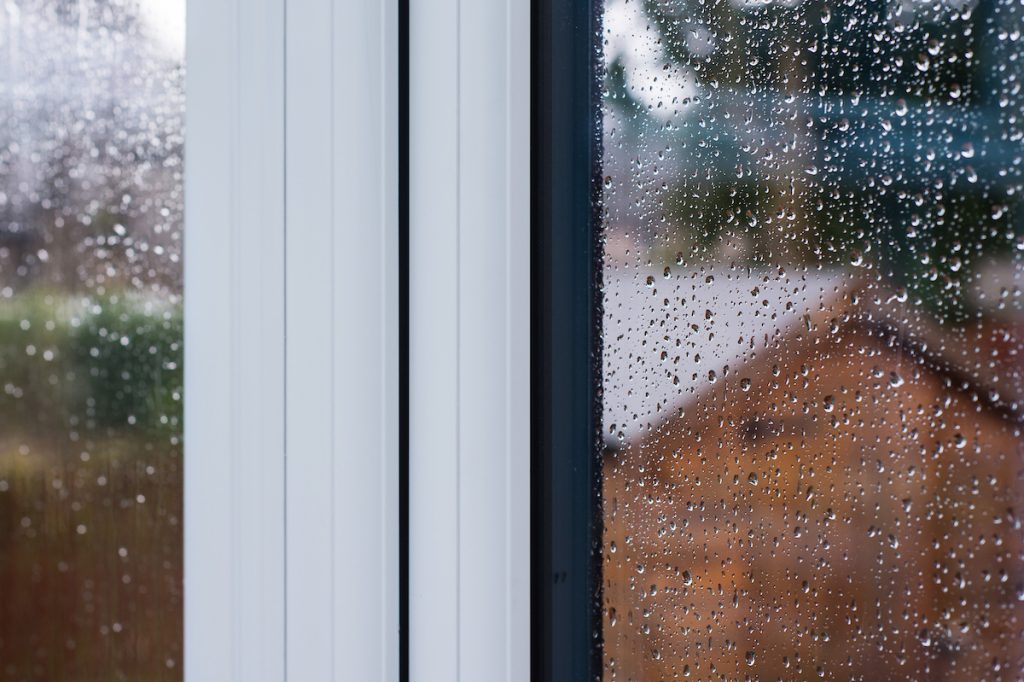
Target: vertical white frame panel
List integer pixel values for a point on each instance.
(291, 278)
(234, 341)
(342, 340)
(469, 340)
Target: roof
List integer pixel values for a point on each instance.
(671, 334)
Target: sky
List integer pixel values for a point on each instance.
(166, 20)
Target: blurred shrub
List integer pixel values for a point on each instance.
(88, 363)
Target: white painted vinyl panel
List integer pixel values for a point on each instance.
(342, 349)
(234, 342)
(434, 340)
(469, 111)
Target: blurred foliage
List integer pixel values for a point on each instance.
(90, 487)
(793, 133)
(91, 363)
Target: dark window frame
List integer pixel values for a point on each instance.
(565, 341)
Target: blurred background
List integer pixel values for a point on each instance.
(91, 141)
(813, 327)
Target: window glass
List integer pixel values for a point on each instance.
(813, 337)
(91, 104)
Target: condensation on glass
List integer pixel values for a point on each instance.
(91, 126)
(813, 329)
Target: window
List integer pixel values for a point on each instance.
(811, 383)
(92, 103)
(606, 339)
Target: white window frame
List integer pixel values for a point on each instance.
(470, 338)
(292, 333)
(342, 340)
(234, 341)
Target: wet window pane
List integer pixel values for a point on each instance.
(91, 125)
(813, 330)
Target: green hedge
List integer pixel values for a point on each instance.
(91, 363)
